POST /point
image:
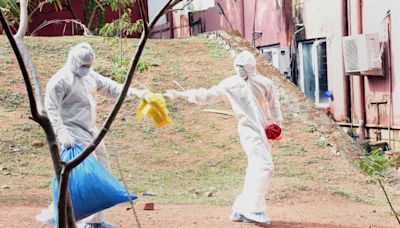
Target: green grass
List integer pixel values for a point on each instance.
(310, 128)
(349, 195)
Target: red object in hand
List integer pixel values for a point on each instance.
(273, 131)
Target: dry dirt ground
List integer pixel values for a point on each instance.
(198, 154)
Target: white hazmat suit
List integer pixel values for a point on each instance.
(254, 101)
(70, 103)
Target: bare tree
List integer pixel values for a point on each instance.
(64, 168)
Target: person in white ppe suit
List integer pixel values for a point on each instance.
(70, 103)
(255, 103)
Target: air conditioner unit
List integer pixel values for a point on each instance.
(279, 58)
(362, 54)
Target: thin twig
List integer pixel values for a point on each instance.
(179, 85)
(38, 7)
(93, 14)
(390, 204)
(127, 190)
(228, 113)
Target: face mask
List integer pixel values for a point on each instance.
(83, 71)
(241, 72)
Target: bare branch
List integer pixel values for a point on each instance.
(183, 7)
(174, 2)
(86, 31)
(62, 198)
(19, 38)
(142, 13)
(70, 212)
(38, 7)
(71, 9)
(42, 120)
(29, 88)
(170, 4)
(23, 20)
(92, 15)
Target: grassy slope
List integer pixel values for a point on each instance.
(198, 153)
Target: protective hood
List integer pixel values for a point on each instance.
(80, 55)
(245, 62)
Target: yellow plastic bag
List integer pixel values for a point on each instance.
(153, 105)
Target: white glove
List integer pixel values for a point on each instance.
(65, 138)
(173, 94)
(138, 92)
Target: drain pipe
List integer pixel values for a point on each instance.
(346, 79)
(170, 15)
(242, 16)
(359, 80)
(390, 74)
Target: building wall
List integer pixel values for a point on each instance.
(245, 17)
(378, 88)
(212, 20)
(322, 23)
(179, 27)
(268, 20)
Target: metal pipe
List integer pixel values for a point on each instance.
(254, 22)
(344, 124)
(346, 79)
(243, 20)
(382, 127)
(369, 126)
(390, 74)
(359, 80)
(171, 24)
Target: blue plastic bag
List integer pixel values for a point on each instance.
(91, 186)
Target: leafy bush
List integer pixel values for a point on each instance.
(120, 66)
(377, 163)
